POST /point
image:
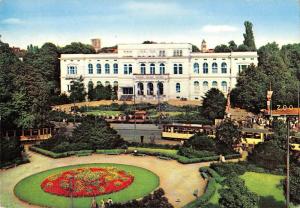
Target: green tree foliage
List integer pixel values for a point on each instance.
(31, 100)
(77, 90)
(295, 185)
(232, 46)
(250, 90)
(248, 36)
(195, 48)
(222, 48)
(93, 133)
(103, 92)
(200, 142)
(77, 48)
(91, 91)
(10, 150)
(228, 134)
(235, 194)
(271, 154)
(272, 72)
(214, 104)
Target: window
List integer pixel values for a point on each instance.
(177, 53)
(196, 68)
(214, 68)
(162, 68)
(143, 68)
(107, 69)
(224, 86)
(178, 87)
(205, 85)
(214, 84)
(150, 88)
(224, 68)
(115, 68)
(125, 69)
(160, 88)
(242, 67)
(196, 87)
(72, 69)
(175, 67)
(180, 69)
(130, 69)
(162, 53)
(107, 83)
(98, 66)
(152, 68)
(140, 88)
(90, 66)
(205, 68)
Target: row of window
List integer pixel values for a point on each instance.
(204, 85)
(214, 68)
(177, 68)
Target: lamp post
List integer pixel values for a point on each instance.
(288, 165)
(71, 190)
(134, 132)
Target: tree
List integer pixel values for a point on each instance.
(195, 48)
(222, 48)
(294, 185)
(77, 48)
(232, 46)
(91, 91)
(271, 154)
(250, 90)
(235, 194)
(228, 134)
(149, 42)
(242, 48)
(200, 142)
(248, 36)
(214, 104)
(77, 90)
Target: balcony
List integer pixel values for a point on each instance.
(147, 77)
(72, 76)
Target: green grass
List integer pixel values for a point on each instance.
(152, 150)
(29, 189)
(267, 186)
(215, 198)
(103, 113)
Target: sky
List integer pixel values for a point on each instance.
(24, 22)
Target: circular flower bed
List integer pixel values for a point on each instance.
(87, 181)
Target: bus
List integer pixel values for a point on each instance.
(185, 131)
(252, 137)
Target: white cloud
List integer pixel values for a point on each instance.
(12, 21)
(154, 8)
(218, 28)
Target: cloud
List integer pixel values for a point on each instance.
(154, 8)
(12, 21)
(218, 28)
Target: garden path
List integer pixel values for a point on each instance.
(179, 181)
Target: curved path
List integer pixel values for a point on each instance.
(179, 181)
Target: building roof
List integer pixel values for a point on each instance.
(287, 111)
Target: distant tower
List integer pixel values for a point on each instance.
(96, 43)
(203, 46)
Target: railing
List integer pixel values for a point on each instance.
(151, 76)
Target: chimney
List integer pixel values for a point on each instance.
(96, 43)
(203, 46)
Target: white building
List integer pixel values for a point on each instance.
(165, 70)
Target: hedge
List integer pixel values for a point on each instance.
(150, 152)
(59, 155)
(209, 192)
(212, 173)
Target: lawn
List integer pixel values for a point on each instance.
(267, 186)
(29, 188)
(104, 113)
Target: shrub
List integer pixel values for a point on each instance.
(201, 142)
(192, 153)
(209, 192)
(229, 169)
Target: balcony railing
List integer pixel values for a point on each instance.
(151, 76)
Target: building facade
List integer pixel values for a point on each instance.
(156, 71)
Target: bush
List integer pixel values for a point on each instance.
(209, 192)
(151, 145)
(229, 169)
(212, 173)
(192, 153)
(201, 142)
(111, 151)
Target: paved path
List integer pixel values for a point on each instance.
(179, 181)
